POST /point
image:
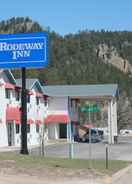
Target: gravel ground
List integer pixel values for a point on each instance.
(10, 173)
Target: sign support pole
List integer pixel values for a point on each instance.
(71, 151)
(90, 142)
(24, 149)
(71, 138)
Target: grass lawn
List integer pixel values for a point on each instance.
(39, 162)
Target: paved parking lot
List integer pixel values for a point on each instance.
(120, 151)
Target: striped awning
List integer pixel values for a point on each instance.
(9, 86)
(13, 114)
(57, 118)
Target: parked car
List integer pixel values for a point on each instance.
(126, 131)
(101, 133)
(95, 137)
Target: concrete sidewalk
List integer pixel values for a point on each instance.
(123, 176)
(17, 148)
(14, 148)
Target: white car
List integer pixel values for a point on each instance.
(126, 132)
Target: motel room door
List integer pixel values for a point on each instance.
(10, 133)
(63, 130)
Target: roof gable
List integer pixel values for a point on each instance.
(30, 84)
(8, 76)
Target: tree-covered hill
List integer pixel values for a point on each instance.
(87, 57)
(76, 58)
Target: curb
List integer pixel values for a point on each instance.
(30, 147)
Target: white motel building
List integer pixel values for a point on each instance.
(51, 107)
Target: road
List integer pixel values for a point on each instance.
(120, 151)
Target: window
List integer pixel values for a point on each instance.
(17, 95)
(28, 128)
(37, 100)
(8, 93)
(17, 129)
(28, 98)
(46, 127)
(45, 100)
(37, 128)
(45, 103)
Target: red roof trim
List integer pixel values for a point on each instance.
(9, 86)
(58, 118)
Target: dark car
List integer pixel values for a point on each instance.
(101, 134)
(95, 137)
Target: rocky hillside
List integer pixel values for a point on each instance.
(111, 56)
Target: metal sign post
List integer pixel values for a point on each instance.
(24, 149)
(107, 156)
(71, 152)
(71, 138)
(90, 142)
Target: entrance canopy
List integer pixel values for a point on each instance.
(103, 91)
(99, 92)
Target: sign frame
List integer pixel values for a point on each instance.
(31, 49)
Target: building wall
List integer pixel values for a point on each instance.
(3, 128)
(34, 112)
(57, 105)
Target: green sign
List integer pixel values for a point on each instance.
(89, 108)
